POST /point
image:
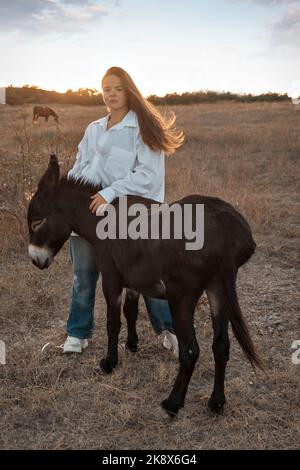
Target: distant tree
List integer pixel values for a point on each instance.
(92, 97)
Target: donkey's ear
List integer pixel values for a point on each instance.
(50, 179)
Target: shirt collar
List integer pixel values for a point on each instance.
(130, 120)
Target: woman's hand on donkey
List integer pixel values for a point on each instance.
(98, 201)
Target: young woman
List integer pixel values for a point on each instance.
(124, 152)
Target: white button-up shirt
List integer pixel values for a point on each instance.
(119, 160)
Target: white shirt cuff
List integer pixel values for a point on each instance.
(108, 194)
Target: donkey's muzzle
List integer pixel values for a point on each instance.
(41, 257)
(39, 265)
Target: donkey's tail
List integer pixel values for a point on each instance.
(238, 324)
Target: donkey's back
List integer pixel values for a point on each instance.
(227, 241)
(224, 224)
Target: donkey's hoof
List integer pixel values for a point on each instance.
(170, 408)
(106, 366)
(132, 347)
(216, 406)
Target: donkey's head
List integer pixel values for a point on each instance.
(47, 221)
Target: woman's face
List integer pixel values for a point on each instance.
(114, 94)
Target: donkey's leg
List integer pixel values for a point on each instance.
(182, 315)
(217, 301)
(112, 291)
(131, 312)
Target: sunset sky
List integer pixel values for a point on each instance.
(166, 45)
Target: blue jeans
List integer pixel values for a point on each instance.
(85, 276)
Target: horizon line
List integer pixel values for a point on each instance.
(239, 93)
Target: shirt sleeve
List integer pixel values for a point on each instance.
(147, 175)
(82, 157)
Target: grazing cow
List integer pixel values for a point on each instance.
(45, 112)
(156, 267)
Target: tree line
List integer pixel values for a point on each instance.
(91, 97)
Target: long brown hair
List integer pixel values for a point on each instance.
(157, 131)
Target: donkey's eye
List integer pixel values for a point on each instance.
(37, 223)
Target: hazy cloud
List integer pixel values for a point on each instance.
(50, 16)
(285, 32)
(267, 2)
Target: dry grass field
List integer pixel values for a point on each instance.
(247, 154)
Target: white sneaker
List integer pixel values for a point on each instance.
(75, 345)
(170, 342)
